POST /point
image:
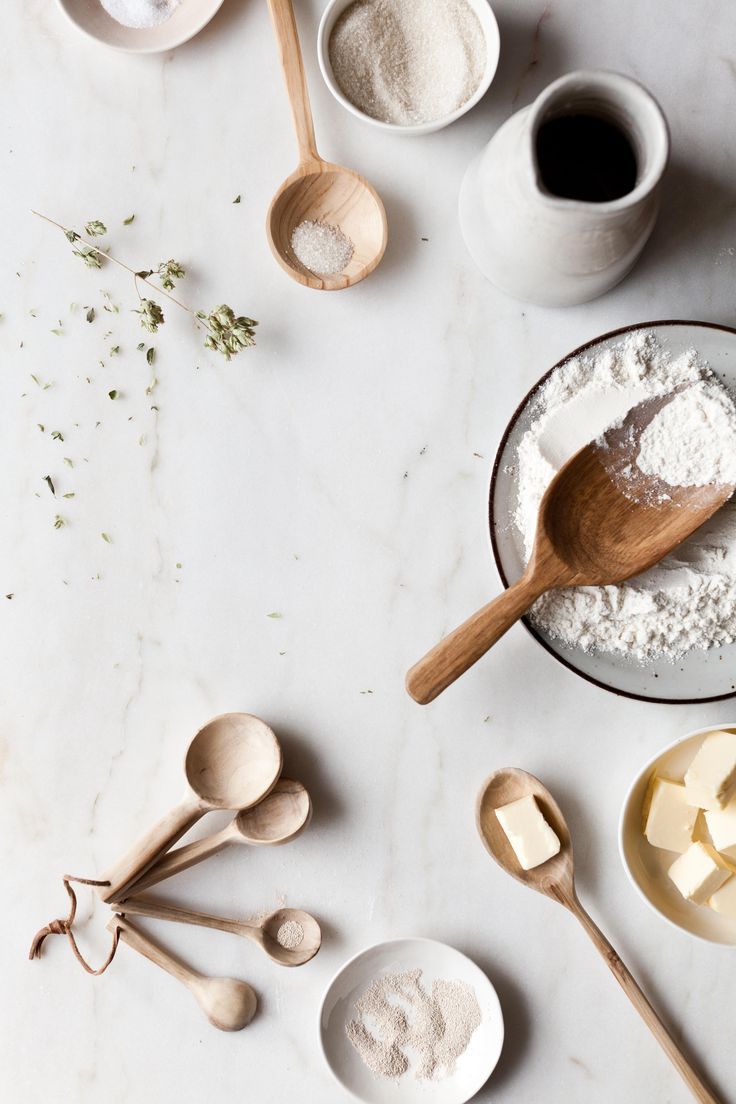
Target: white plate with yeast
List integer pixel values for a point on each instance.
(381, 963)
(647, 866)
(698, 676)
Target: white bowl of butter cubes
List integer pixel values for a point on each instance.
(677, 833)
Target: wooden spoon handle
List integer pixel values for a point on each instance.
(287, 37)
(462, 648)
(135, 938)
(144, 906)
(146, 850)
(181, 858)
(691, 1078)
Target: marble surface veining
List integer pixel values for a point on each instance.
(335, 475)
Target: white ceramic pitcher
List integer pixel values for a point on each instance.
(549, 250)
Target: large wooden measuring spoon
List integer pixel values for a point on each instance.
(232, 763)
(264, 933)
(282, 815)
(555, 879)
(591, 531)
(226, 1002)
(318, 190)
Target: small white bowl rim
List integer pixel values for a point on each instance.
(492, 37)
(389, 943)
(124, 49)
(623, 814)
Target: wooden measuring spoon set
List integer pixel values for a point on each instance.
(233, 763)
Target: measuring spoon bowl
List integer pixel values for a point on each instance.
(280, 817)
(233, 762)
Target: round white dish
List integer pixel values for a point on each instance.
(436, 960)
(188, 19)
(699, 676)
(488, 23)
(647, 866)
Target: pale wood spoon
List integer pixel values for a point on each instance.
(227, 1003)
(263, 934)
(232, 763)
(279, 818)
(318, 190)
(554, 878)
(589, 533)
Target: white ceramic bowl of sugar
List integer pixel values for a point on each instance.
(647, 866)
(436, 961)
(489, 27)
(185, 22)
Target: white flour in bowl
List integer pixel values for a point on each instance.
(689, 599)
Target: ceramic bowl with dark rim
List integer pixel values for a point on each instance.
(700, 676)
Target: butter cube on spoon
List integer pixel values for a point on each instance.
(528, 832)
(699, 873)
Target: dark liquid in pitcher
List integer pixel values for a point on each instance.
(584, 157)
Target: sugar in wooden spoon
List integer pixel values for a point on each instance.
(319, 191)
(555, 878)
(601, 521)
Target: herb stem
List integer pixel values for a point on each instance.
(121, 264)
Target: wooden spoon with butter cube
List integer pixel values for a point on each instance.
(555, 878)
(601, 521)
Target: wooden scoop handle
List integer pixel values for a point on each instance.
(692, 1079)
(287, 37)
(141, 943)
(462, 648)
(146, 850)
(158, 910)
(181, 858)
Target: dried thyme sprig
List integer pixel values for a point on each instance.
(151, 315)
(226, 333)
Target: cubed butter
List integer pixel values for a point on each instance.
(528, 832)
(710, 781)
(699, 873)
(722, 827)
(724, 899)
(670, 821)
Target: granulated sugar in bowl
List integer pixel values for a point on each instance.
(410, 66)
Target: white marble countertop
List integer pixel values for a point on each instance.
(337, 475)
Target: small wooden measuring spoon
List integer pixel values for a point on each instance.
(264, 934)
(318, 190)
(554, 878)
(232, 763)
(227, 1003)
(280, 817)
(589, 533)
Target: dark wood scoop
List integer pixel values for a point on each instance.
(595, 527)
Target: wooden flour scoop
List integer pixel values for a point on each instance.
(601, 521)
